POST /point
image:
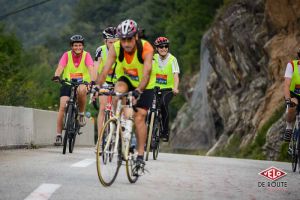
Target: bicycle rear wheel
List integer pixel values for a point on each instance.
(149, 137)
(108, 162)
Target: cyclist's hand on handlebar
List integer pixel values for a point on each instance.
(136, 94)
(56, 79)
(288, 101)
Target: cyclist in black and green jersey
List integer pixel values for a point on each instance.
(109, 37)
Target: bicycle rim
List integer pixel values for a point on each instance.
(130, 165)
(149, 138)
(107, 161)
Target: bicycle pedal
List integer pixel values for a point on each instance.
(79, 133)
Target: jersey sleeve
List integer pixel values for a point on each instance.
(147, 49)
(63, 60)
(289, 70)
(175, 67)
(98, 53)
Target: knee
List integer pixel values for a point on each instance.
(140, 116)
(291, 114)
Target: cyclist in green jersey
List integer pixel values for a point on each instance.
(291, 94)
(165, 74)
(74, 64)
(134, 56)
(109, 36)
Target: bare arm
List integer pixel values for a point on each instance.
(59, 70)
(146, 72)
(176, 83)
(287, 83)
(96, 66)
(92, 72)
(111, 59)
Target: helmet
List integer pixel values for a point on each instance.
(109, 33)
(76, 38)
(161, 40)
(127, 29)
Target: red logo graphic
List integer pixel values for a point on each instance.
(272, 173)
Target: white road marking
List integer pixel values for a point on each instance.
(43, 192)
(84, 163)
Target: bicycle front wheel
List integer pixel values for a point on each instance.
(131, 164)
(107, 160)
(155, 139)
(149, 137)
(68, 118)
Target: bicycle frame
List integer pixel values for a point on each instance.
(117, 117)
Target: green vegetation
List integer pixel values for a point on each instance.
(44, 31)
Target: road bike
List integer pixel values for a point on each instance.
(70, 122)
(154, 124)
(115, 145)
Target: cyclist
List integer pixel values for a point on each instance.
(74, 64)
(109, 36)
(134, 56)
(291, 88)
(165, 74)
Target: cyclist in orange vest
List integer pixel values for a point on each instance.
(134, 56)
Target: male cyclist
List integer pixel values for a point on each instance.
(134, 56)
(165, 74)
(291, 93)
(109, 36)
(74, 64)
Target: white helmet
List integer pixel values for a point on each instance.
(127, 29)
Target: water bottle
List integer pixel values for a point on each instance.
(128, 129)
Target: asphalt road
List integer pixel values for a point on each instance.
(47, 174)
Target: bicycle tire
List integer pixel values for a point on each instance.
(149, 136)
(130, 165)
(294, 157)
(155, 139)
(72, 143)
(67, 118)
(104, 159)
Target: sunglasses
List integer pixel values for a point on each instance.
(163, 46)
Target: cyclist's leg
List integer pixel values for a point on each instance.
(142, 105)
(102, 102)
(290, 119)
(64, 97)
(165, 100)
(82, 98)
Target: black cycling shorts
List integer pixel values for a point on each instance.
(65, 90)
(145, 100)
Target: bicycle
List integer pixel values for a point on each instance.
(154, 124)
(70, 123)
(294, 145)
(114, 144)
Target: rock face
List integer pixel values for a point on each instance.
(243, 59)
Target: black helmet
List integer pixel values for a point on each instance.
(127, 29)
(109, 33)
(76, 38)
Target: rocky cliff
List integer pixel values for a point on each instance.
(243, 59)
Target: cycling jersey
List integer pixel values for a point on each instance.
(80, 73)
(295, 83)
(103, 54)
(132, 68)
(162, 74)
